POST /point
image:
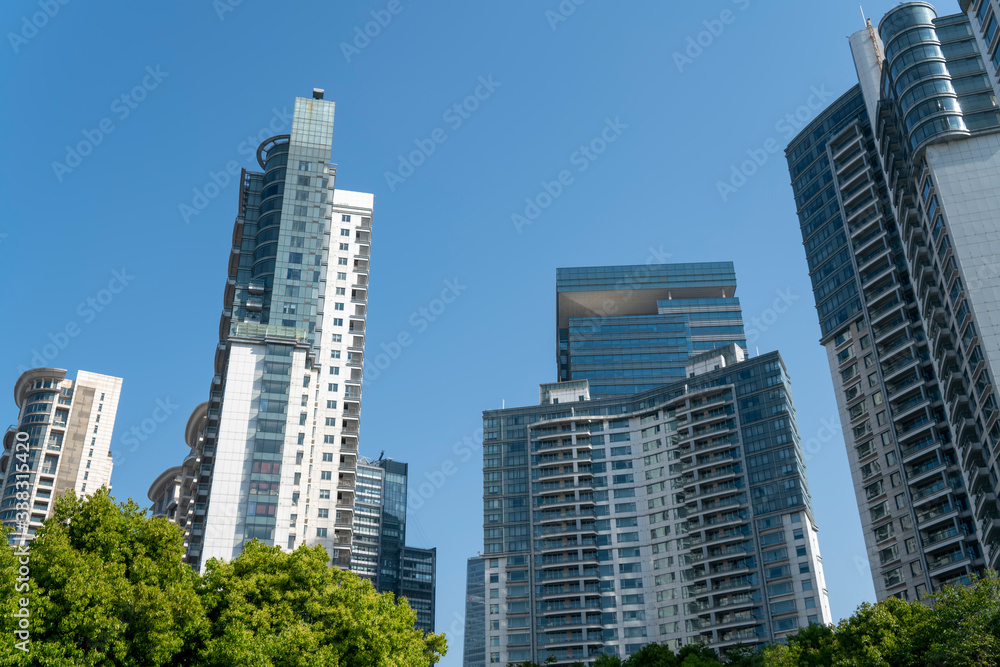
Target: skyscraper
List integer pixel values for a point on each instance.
(895, 186)
(380, 523)
(379, 551)
(474, 636)
(61, 442)
(276, 460)
(677, 514)
(417, 584)
(631, 328)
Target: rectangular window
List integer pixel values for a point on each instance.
(325, 475)
(321, 532)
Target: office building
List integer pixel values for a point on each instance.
(419, 568)
(676, 514)
(61, 442)
(627, 329)
(379, 552)
(380, 522)
(896, 187)
(277, 457)
(474, 636)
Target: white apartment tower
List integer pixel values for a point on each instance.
(61, 442)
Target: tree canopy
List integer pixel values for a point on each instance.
(106, 586)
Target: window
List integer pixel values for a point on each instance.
(345, 232)
(338, 321)
(333, 386)
(321, 532)
(344, 246)
(305, 166)
(345, 218)
(324, 494)
(341, 276)
(330, 405)
(338, 306)
(331, 421)
(334, 370)
(323, 513)
(325, 474)
(342, 261)
(335, 354)
(341, 291)
(327, 456)
(301, 195)
(295, 258)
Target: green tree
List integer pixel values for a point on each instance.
(268, 608)
(966, 625)
(107, 587)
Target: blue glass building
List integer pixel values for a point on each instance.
(631, 328)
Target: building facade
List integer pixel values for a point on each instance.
(894, 186)
(474, 636)
(61, 442)
(627, 329)
(277, 457)
(417, 584)
(380, 523)
(676, 515)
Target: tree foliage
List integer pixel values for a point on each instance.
(107, 587)
(959, 627)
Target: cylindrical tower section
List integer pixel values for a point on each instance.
(917, 77)
(272, 155)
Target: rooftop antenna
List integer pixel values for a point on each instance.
(871, 31)
(381, 454)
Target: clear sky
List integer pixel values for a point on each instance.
(155, 98)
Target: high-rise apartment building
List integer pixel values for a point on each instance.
(677, 514)
(626, 329)
(474, 634)
(277, 457)
(61, 442)
(896, 186)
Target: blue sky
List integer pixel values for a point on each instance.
(163, 96)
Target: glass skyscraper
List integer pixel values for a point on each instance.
(677, 514)
(379, 552)
(474, 646)
(896, 186)
(277, 457)
(630, 328)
